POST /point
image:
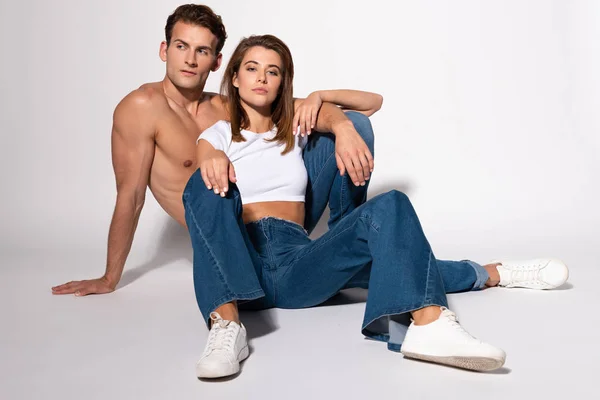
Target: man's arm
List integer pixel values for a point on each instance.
(132, 139)
(351, 152)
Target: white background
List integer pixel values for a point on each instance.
(490, 121)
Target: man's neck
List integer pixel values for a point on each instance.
(185, 98)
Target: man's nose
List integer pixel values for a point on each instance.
(191, 60)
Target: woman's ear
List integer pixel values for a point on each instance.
(234, 80)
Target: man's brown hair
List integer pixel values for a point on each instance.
(200, 15)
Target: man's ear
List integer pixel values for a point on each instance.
(217, 63)
(162, 53)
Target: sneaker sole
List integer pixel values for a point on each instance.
(470, 363)
(226, 370)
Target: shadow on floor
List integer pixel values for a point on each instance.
(173, 245)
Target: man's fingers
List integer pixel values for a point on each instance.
(340, 164)
(67, 290)
(352, 171)
(63, 286)
(364, 165)
(62, 291)
(83, 291)
(72, 289)
(370, 160)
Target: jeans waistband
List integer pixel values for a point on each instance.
(274, 221)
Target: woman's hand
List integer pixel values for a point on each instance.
(217, 171)
(306, 114)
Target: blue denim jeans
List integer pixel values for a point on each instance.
(325, 184)
(237, 262)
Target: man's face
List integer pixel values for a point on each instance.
(190, 56)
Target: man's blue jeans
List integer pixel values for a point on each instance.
(275, 264)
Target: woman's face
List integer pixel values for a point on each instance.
(259, 77)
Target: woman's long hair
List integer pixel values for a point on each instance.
(282, 109)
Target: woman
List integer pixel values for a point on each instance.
(379, 245)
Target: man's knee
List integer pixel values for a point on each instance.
(363, 126)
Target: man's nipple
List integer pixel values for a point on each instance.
(187, 163)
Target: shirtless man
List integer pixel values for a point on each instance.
(156, 126)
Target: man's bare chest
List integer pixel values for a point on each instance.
(177, 135)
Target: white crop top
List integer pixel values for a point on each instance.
(262, 173)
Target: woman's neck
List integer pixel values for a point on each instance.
(260, 119)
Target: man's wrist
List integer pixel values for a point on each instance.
(341, 126)
(111, 281)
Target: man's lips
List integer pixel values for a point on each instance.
(188, 73)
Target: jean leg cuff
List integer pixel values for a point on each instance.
(481, 273)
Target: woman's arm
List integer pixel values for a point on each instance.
(307, 110)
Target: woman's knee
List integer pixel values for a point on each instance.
(394, 200)
(196, 189)
(397, 197)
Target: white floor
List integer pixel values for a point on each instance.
(143, 340)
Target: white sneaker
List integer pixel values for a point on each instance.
(444, 341)
(226, 348)
(540, 273)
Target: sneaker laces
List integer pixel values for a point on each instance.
(222, 335)
(452, 319)
(525, 272)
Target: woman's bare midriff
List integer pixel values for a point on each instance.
(288, 210)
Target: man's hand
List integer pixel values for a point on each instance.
(352, 153)
(217, 171)
(83, 288)
(305, 116)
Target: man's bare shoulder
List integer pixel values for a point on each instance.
(216, 100)
(147, 100)
(138, 112)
